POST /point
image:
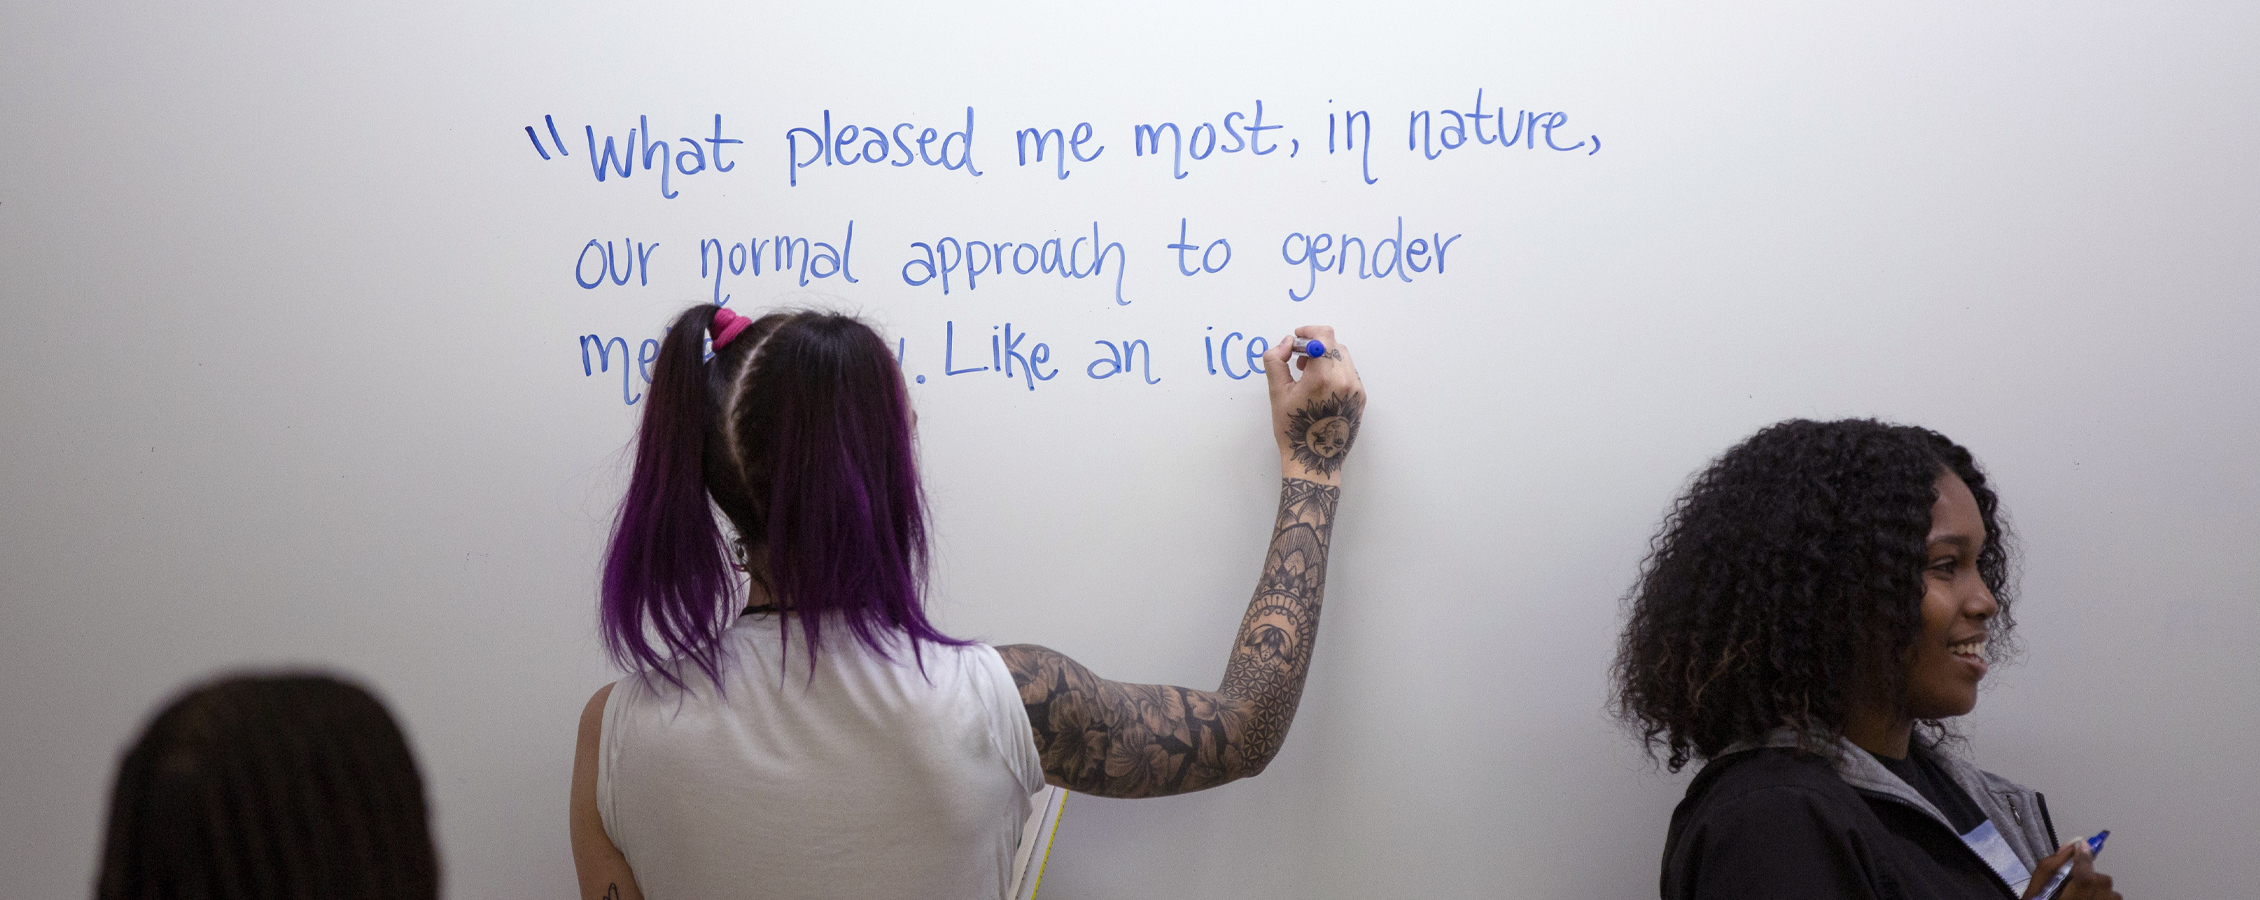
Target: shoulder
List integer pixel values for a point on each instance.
(585, 751)
(947, 677)
(592, 717)
(1767, 823)
(992, 671)
(975, 661)
(1765, 790)
(1768, 771)
(595, 707)
(1040, 667)
(1037, 672)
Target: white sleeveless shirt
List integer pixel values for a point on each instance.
(870, 781)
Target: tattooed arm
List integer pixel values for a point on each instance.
(1150, 740)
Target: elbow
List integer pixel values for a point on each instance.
(1261, 733)
(1253, 759)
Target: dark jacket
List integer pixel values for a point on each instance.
(1771, 821)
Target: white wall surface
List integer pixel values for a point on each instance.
(290, 372)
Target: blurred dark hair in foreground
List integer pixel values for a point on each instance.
(269, 786)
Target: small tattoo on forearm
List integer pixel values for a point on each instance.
(1320, 434)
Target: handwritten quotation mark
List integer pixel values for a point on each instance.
(538, 148)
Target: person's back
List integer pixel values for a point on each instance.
(903, 763)
(861, 778)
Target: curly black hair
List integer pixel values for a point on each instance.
(1785, 586)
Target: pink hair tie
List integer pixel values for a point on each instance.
(725, 327)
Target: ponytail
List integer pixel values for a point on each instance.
(667, 570)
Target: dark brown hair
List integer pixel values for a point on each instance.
(269, 788)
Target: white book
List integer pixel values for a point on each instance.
(1036, 842)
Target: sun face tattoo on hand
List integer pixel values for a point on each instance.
(1320, 434)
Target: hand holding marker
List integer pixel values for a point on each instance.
(2064, 872)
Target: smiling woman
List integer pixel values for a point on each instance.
(1947, 658)
(1815, 607)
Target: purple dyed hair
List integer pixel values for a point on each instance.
(799, 432)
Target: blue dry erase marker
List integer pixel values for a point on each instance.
(2064, 872)
(1313, 348)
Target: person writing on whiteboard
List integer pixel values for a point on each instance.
(1823, 597)
(806, 732)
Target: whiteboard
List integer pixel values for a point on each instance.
(294, 374)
